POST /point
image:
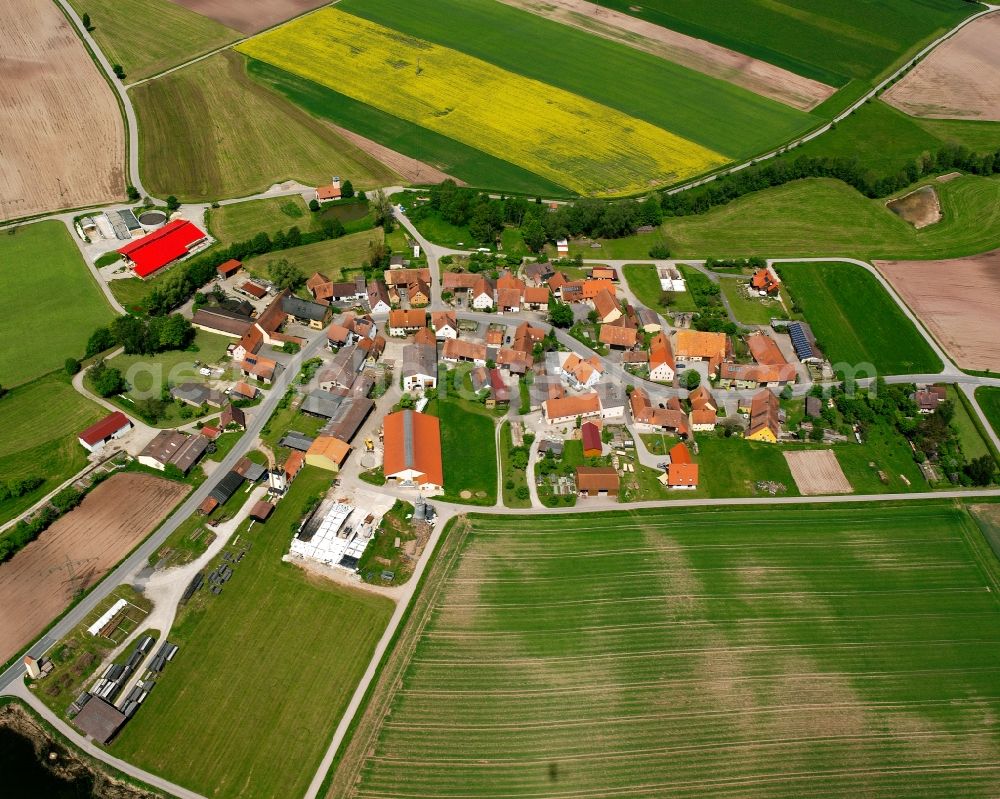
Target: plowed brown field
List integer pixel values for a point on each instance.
(75, 552)
(959, 80)
(957, 300)
(62, 144)
(250, 17)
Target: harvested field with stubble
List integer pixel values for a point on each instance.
(817, 472)
(751, 73)
(250, 17)
(75, 552)
(830, 652)
(959, 80)
(957, 301)
(63, 144)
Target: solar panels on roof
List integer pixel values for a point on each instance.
(803, 349)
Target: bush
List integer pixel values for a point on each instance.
(659, 252)
(72, 366)
(314, 204)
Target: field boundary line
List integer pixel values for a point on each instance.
(377, 690)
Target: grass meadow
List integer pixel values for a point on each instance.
(714, 113)
(863, 135)
(820, 652)
(331, 257)
(41, 421)
(263, 674)
(468, 450)
(831, 42)
(148, 36)
(208, 132)
(989, 400)
(243, 221)
(821, 216)
(854, 319)
(589, 147)
(40, 263)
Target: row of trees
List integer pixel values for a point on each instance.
(486, 217)
(142, 336)
(869, 182)
(26, 531)
(187, 278)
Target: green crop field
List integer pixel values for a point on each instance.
(834, 652)
(330, 257)
(820, 216)
(832, 42)
(209, 132)
(41, 264)
(468, 450)
(148, 36)
(714, 113)
(854, 319)
(989, 400)
(263, 674)
(31, 448)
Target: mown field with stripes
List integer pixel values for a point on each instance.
(839, 651)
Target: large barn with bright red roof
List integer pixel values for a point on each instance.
(162, 247)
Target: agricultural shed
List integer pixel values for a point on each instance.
(590, 434)
(226, 487)
(295, 440)
(99, 720)
(261, 510)
(229, 268)
(114, 425)
(164, 246)
(594, 481)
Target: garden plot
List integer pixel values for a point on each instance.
(817, 472)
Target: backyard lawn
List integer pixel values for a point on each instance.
(59, 307)
(645, 285)
(750, 310)
(264, 670)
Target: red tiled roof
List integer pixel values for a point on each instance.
(229, 267)
(682, 475)
(155, 250)
(413, 441)
(109, 425)
(591, 437)
(679, 454)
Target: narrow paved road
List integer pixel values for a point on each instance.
(258, 417)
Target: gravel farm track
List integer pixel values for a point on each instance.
(77, 551)
(63, 143)
(959, 80)
(957, 300)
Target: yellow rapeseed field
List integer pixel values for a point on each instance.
(573, 141)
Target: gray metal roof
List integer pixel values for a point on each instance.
(303, 309)
(295, 440)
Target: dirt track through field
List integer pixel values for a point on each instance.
(759, 77)
(957, 300)
(62, 144)
(76, 551)
(249, 16)
(959, 80)
(817, 471)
